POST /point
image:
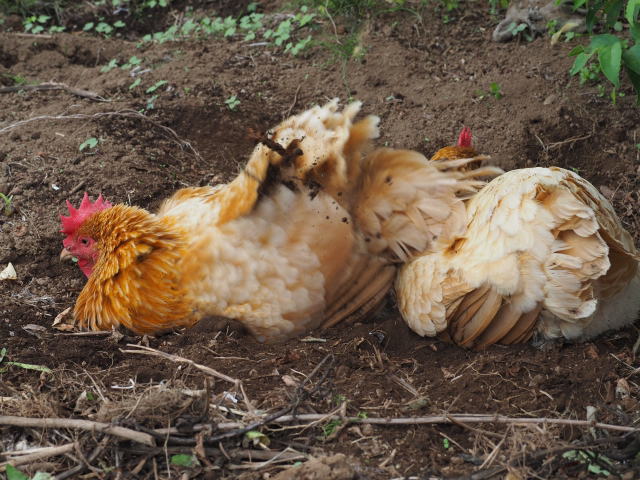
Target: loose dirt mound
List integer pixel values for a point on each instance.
(421, 76)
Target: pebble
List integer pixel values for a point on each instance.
(367, 429)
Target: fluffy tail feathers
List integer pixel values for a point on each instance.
(406, 205)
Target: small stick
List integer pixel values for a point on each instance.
(431, 420)
(19, 458)
(142, 350)
(77, 187)
(33, 35)
(55, 86)
(84, 464)
(295, 100)
(77, 424)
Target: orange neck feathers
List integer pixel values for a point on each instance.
(136, 281)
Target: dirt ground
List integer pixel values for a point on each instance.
(422, 76)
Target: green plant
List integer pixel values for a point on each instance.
(14, 474)
(8, 208)
(232, 102)
(132, 62)
(26, 366)
(520, 28)
(103, 27)
(151, 102)
(16, 79)
(91, 142)
(155, 86)
(255, 438)
(35, 23)
(113, 63)
(184, 460)
(330, 427)
(614, 53)
(594, 462)
(495, 90)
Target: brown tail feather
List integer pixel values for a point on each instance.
(523, 329)
(364, 295)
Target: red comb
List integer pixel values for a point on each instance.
(464, 140)
(76, 216)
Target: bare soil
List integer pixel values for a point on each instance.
(421, 76)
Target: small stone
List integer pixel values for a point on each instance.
(550, 99)
(367, 429)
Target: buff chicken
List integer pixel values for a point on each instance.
(543, 253)
(310, 233)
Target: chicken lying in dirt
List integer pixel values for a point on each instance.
(308, 234)
(543, 252)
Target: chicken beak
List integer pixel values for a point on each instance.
(66, 256)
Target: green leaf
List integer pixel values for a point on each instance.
(635, 80)
(88, 26)
(184, 460)
(135, 83)
(631, 58)
(29, 366)
(155, 86)
(610, 59)
(3, 352)
(631, 12)
(576, 51)
(119, 24)
(594, 468)
(612, 9)
(91, 142)
(14, 474)
(602, 41)
(579, 63)
(42, 476)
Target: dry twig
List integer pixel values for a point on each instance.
(23, 457)
(76, 424)
(456, 419)
(55, 86)
(142, 350)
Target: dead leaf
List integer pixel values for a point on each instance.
(58, 320)
(289, 381)
(8, 273)
(35, 330)
(622, 388)
(591, 351)
(65, 327)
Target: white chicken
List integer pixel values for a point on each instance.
(543, 252)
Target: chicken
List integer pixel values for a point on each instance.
(310, 233)
(543, 253)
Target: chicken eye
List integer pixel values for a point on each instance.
(84, 241)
